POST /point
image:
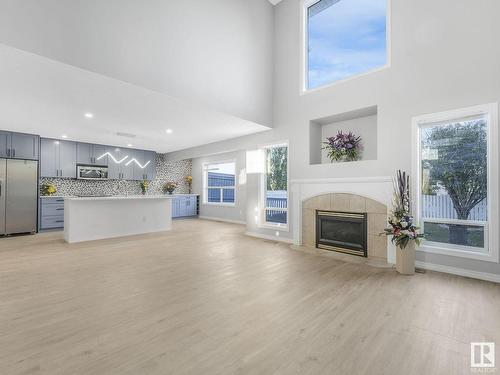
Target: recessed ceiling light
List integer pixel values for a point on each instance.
(89, 115)
(169, 131)
(130, 145)
(64, 136)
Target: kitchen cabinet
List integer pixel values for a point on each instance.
(24, 146)
(51, 213)
(19, 146)
(145, 168)
(58, 158)
(4, 137)
(184, 206)
(117, 163)
(89, 154)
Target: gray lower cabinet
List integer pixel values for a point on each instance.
(51, 213)
(58, 158)
(19, 145)
(184, 206)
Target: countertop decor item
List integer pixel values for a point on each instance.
(343, 147)
(170, 187)
(48, 189)
(144, 187)
(189, 181)
(401, 227)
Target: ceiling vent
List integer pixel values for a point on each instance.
(126, 135)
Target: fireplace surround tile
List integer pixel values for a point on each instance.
(343, 202)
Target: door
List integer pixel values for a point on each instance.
(24, 146)
(115, 162)
(4, 137)
(84, 153)
(99, 155)
(67, 159)
(49, 158)
(21, 200)
(3, 180)
(150, 170)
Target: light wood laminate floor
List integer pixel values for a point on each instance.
(206, 299)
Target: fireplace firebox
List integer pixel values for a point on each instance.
(345, 232)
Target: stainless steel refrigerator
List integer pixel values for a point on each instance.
(18, 196)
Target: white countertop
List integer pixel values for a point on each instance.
(118, 197)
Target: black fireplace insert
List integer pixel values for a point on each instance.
(345, 232)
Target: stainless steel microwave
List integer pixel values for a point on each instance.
(91, 172)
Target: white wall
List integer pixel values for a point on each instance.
(445, 55)
(236, 213)
(216, 53)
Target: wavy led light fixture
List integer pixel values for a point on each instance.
(113, 158)
(139, 164)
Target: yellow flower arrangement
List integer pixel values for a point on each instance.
(48, 189)
(189, 181)
(144, 186)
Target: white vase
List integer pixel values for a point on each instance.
(405, 259)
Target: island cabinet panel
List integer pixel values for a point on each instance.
(58, 158)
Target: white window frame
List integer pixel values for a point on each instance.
(205, 184)
(490, 112)
(263, 189)
(304, 65)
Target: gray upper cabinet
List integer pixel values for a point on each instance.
(58, 158)
(24, 146)
(19, 146)
(4, 136)
(90, 154)
(115, 162)
(145, 168)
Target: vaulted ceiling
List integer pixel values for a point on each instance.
(213, 57)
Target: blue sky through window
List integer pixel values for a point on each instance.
(346, 39)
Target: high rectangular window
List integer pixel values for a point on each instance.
(220, 183)
(275, 197)
(344, 38)
(458, 187)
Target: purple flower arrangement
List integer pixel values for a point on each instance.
(344, 147)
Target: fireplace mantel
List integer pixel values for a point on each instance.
(377, 188)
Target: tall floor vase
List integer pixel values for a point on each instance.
(405, 259)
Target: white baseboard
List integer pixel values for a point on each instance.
(268, 237)
(223, 220)
(459, 271)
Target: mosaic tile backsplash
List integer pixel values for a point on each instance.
(165, 172)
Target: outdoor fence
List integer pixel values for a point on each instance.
(441, 206)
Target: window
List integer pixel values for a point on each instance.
(220, 183)
(457, 189)
(275, 187)
(344, 38)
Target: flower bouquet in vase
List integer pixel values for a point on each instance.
(189, 182)
(144, 187)
(169, 187)
(401, 226)
(343, 147)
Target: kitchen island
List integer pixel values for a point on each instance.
(94, 218)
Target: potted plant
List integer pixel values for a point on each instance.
(48, 189)
(144, 187)
(189, 182)
(169, 187)
(343, 147)
(401, 227)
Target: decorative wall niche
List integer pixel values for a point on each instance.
(362, 122)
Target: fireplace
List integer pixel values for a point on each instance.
(345, 232)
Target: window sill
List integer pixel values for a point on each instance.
(219, 204)
(279, 227)
(431, 249)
